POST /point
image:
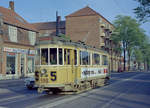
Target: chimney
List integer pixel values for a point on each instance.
(58, 19)
(11, 5)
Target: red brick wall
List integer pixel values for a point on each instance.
(79, 27)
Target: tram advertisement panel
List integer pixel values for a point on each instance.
(92, 72)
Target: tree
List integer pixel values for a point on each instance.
(145, 49)
(138, 57)
(128, 32)
(143, 10)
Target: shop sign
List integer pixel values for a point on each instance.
(16, 50)
(31, 52)
(8, 49)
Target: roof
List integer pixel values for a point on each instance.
(11, 17)
(87, 11)
(48, 25)
(83, 12)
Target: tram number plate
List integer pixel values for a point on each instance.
(53, 76)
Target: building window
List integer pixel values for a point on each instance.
(11, 64)
(32, 37)
(100, 20)
(96, 59)
(12, 33)
(30, 64)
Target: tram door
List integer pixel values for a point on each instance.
(73, 61)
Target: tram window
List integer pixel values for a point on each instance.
(104, 60)
(80, 58)
(95, 59)
(84, 58)
(44, 56)
(67, 56)
(37, 58)
(60, 57)
(53, 56)
(65, 53)
(75, 57)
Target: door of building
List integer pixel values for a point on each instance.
(22, 66)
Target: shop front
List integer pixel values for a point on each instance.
(17, 63)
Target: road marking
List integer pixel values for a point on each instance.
(10, 98)
(4, 91)
(23, 98)
(2, 107)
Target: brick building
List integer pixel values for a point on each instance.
(17, 41)
(90, 27)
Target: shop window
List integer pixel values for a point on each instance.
(96, 59)
(44, 56)
(53, 56)
(10, 69)
(60, 56)
(104, 60)
(30, 68)
(84, 58)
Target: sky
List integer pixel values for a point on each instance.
(45, 10)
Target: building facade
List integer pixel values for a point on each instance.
(88, 26)
(17, 44)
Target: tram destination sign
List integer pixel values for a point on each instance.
(91, 72)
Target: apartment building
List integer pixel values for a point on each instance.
(88, 26)
(17, 41)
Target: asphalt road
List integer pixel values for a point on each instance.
(126, 90)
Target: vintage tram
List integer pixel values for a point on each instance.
(68, 67)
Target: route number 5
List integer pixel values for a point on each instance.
(53, 76)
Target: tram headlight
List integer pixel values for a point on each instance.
(43, 71)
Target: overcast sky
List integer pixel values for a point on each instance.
(45, 10)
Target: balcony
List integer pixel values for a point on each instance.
(102, 34)
(102, 44)
(107, 37)
(102, 25)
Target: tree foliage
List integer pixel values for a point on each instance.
(128, 32)
(143, 10)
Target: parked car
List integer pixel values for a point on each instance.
(30, 82)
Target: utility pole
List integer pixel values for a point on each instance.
(124, 49)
